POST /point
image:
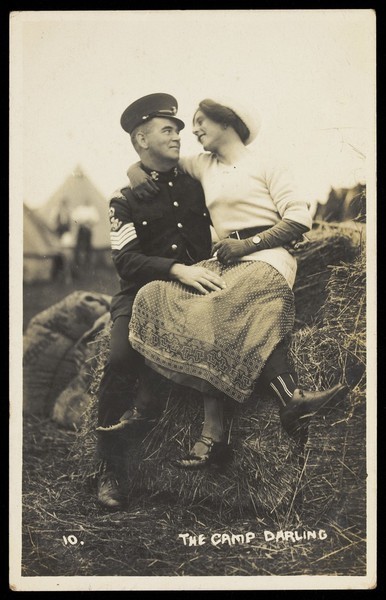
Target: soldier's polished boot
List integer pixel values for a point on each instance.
(303, 405)
(109, 493)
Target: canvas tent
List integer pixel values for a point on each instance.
(40, 247)
(77, 190)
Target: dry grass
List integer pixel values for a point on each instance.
(143, 540)
(274, 482)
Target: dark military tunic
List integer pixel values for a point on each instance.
(149, 236)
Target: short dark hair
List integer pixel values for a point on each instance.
(141, 127)
(224, 116)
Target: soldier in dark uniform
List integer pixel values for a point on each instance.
(157, 239)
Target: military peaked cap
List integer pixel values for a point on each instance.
(148, 107)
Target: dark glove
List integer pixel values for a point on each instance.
(229, 250)
(143, 186)
(298, 244)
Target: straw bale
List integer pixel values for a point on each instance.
(71, 403)
(272, 476)
(328, 245)
(261, 479)
(333, 482)
(345, 311)
(52, 354)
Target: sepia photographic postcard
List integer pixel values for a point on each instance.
(193, 300)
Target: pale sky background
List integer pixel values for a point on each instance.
(310, 74)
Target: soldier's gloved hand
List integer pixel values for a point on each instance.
(141, 183)
(229, 250)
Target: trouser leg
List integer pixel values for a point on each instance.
(146, 400)
(120, 374)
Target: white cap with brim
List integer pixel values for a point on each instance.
(249, 116)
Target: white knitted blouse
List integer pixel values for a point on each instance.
(254, 191)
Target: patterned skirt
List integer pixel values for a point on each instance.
(217, 342)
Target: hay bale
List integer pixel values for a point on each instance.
(72, 402)
(329, 245)
(272, 477)
(333, 482)
(74, 399)
(344, 313)
(261, 479)
(51, 356)
(336, 349)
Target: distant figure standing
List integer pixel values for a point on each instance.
(86, 217)
(67, 244)
(63, 218)
(64, 261)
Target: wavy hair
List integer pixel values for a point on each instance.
(224, 116)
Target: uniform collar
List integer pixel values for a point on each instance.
(161, 175)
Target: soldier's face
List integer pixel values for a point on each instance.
(163, 139)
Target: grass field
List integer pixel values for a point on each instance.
(144, 540)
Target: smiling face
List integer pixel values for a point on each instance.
(160, 139)
(209, 133)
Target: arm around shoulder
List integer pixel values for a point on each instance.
(140, 182)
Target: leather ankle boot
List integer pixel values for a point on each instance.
(109, 492)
